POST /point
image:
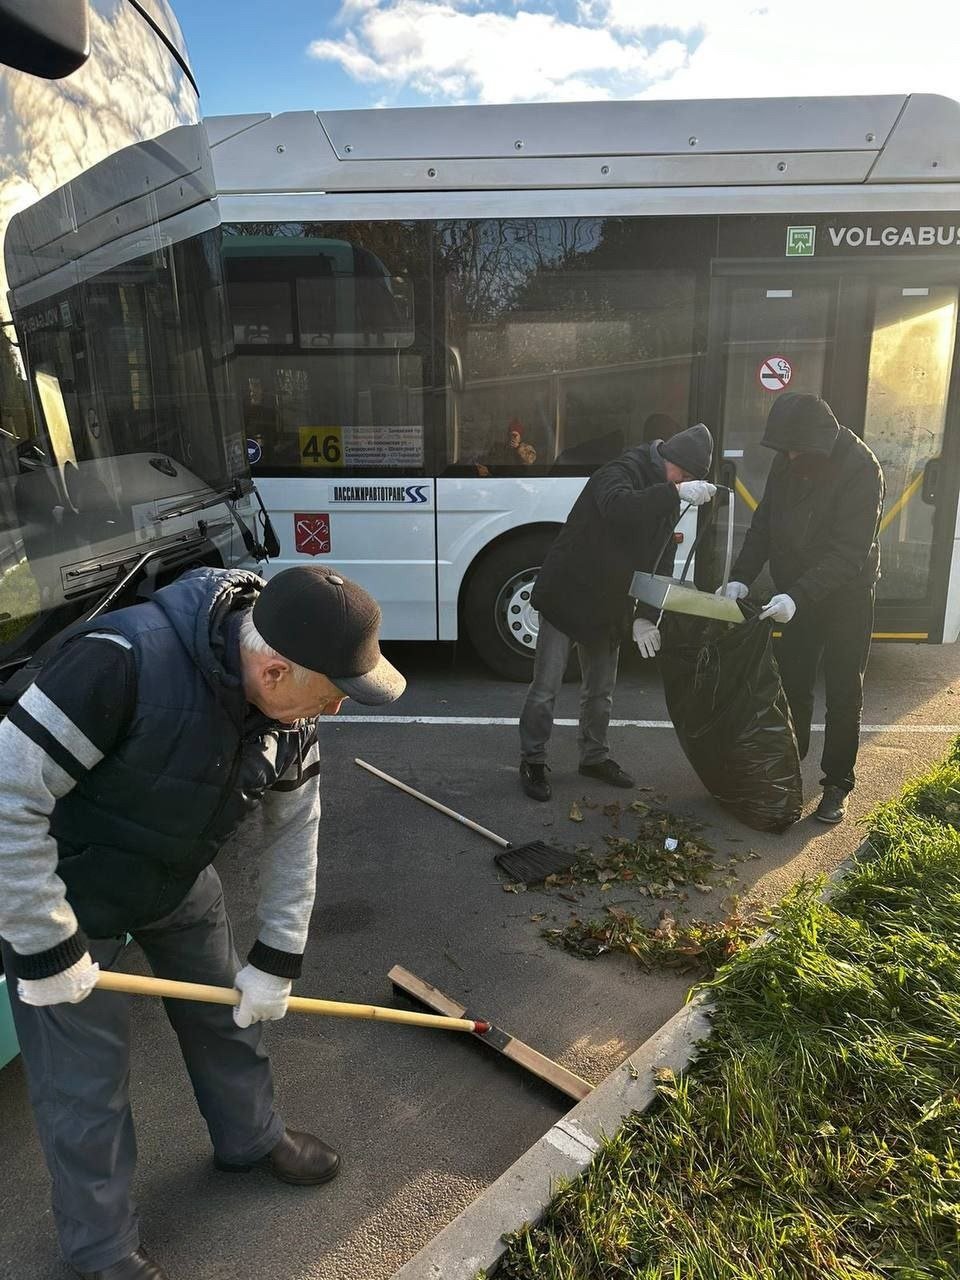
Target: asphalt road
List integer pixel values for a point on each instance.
(424, 1119)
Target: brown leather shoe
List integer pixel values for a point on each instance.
(298, 1158)
(137, 1266)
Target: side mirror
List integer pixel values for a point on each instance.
(48, 38)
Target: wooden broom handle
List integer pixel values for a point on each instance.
(135, 984)
(435, 804)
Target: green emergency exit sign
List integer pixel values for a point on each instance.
(801, 242)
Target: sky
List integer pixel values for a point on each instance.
(283, 55)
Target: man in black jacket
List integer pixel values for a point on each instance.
(618, 525)
(818, 527)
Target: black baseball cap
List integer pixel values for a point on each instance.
(322, 621)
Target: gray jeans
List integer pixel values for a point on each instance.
(77, 1058)
(598, 667)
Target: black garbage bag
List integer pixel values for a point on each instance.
(731, 715)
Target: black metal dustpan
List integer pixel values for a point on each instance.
(674, 595)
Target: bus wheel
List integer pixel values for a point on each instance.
(498, 615)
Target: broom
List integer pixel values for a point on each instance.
(135, 984)
(525, 863)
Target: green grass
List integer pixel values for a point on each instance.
(818, 1134)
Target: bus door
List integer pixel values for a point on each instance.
(899, 405)
(880, 349)
(766, 334)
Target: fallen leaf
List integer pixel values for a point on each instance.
(605, 886)
(575, 814)
(514, 888)
(538, 917)
(618, 913)
(704, 888)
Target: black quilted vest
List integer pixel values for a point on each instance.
(137, 830)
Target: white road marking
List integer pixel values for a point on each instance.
(618, 724)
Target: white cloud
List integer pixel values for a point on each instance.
(440, 50)
(638, 15)
(761, 48)
(513, 50)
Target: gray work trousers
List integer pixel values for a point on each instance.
(77, 1059)
(598, 679)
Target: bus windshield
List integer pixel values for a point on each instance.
(116, 410)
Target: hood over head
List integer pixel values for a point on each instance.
(801, 423)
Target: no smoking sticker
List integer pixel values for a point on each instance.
(775, 373)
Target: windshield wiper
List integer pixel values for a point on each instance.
(268, 549)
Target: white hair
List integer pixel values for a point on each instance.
(253, 642)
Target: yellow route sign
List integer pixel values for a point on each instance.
(321, 447)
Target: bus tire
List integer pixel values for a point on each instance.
(498, 618)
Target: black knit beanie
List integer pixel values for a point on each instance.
(691, 450)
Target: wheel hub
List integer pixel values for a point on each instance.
(517, 620)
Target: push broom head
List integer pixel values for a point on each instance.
(533, 862)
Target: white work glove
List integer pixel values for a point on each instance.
(263, 996)
(647, 637)
(69, 987)
(780, 609)
(733, 591)
(696, 492)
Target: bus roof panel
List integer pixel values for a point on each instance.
(925, 146)
(734, 126)
(787, 142)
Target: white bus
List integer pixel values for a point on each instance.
(121, 454)
(445, 318)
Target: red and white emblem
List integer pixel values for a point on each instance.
(312, 533)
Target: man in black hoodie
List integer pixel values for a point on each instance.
(618, 525)
(818, 528)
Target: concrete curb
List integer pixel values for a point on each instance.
(472, 1244)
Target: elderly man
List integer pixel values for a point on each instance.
(139, 749)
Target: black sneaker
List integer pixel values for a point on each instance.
(533, 779)
(607, 771)
(833, 806)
